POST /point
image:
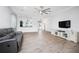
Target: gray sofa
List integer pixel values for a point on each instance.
(10, 41)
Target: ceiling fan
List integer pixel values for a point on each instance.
(43, 10)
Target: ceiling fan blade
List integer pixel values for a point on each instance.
(46, 13)
(47, 9)
(42, 7)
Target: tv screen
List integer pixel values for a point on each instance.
(65, 24)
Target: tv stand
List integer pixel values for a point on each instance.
(66, 34)
(61, 33)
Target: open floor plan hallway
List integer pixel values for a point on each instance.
(44, 42)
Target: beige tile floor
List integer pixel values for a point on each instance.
(44, 42)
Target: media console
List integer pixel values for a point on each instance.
(66, 34)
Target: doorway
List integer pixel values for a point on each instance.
(41, 26)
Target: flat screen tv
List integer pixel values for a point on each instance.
(64, 24)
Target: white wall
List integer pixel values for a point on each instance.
(4, 17)
(70, 14)
(13, 21)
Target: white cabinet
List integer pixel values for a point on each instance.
(66, 34)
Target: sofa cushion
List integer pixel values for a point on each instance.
(11, 35)
(4, 32)
(8, 36)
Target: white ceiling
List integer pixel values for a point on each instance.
(32, 12)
